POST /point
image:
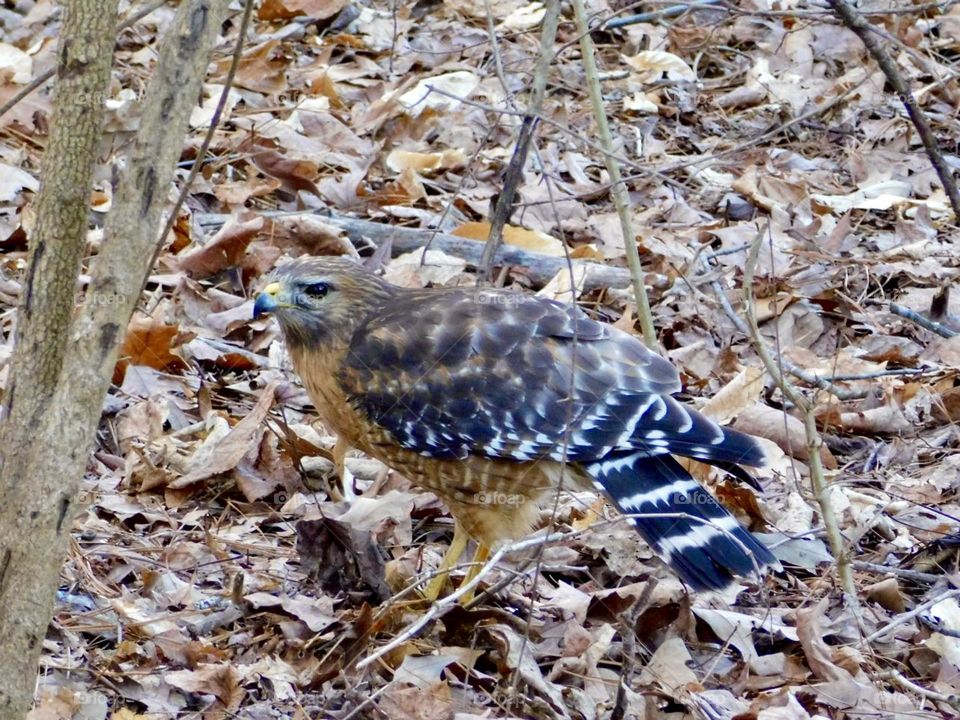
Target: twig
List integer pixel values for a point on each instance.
(816, 111)
(951, 700)
(898, 372)
(798, 372)
(940, 5)
(863, 29)
(908, 616)
(912, 575)
(628, 621)
(503, 208)
(495, 52)
(443, 605)
(618, 189)
(667, 12)
(924, 322)
(814, 441)
(577, 138)
(46, 75)
(514, 174)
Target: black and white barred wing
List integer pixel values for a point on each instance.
(457, 373)
(509, 376)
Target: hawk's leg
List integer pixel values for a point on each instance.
(480, 558)
(346, 477)
(457, 546)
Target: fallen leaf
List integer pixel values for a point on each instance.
(227, 451)
(149, 342)
(532, 240)
(225, 250)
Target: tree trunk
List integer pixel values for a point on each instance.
(28, 569)
(38, 491)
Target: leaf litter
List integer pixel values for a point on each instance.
(218, 568)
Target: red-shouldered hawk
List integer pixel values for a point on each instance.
(480, 395)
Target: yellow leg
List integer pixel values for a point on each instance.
(479, 558)
(459, 544)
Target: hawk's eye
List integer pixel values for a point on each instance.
(317, 290)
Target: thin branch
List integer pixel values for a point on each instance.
(579, 139)
(538, 267)
(816, 111)
(667, 12)
(443, 605)
(822, 383)
(911, 575)
(898, 372)
(514, 174)
(906, 617)
(814, 441)
(911, 686)
(940, 5)
(618, 188)
(863, 29)
(924, 322)
(504, 205)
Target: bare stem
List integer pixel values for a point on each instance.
(821, 488)
(618, 188)
(514, 174)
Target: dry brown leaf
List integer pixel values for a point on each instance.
(409, 702)
(226, 250)
(740, 393)
(810, 632)
(229, 449)
(309, 234)
(232, 194)
(532, 240)
(669, 668)
(289, 9)
(652, 65)
(887, 594)
(296, 175)
(400, 160)
(885, 420)
(262, 68)
(405, 190)
(219, 680)
(783, 429)
(149, 342)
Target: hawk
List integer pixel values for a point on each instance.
(491, 399)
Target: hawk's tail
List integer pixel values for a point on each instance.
(682, 522)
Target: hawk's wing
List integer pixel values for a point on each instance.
(498, 374)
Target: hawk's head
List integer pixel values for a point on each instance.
(315, 297)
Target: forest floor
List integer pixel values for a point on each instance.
(212, 574)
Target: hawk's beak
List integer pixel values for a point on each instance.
(268, 300)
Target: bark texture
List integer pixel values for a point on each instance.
(43, 483)
(33, 506)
